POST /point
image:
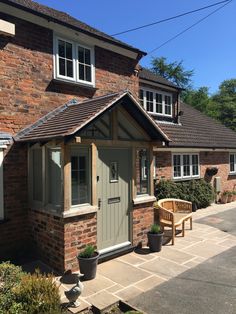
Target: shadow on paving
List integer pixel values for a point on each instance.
(225, 221)
(207, 288)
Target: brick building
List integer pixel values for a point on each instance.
(77, 151)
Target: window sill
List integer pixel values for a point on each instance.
(144, 199)
(186, 179)
(232, 174)
(73, 83)
(79, 211)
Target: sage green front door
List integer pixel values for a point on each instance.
(113, 179)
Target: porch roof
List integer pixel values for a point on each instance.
(67, 120)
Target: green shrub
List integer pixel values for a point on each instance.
(22, 293)
(87, 252)
(38, 294)
(155, 229)
(198, 192)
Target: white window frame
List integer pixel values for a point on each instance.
(154, 112)
(75, 78)
(234, 171)
(182, 177)
(1, 186)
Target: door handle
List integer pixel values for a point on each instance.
(99, 203)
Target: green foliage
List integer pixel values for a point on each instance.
(38, 294)
(155, 229)
(198, 98)
(87, 252)
(196, 191)
(173, 71)
(22, 293)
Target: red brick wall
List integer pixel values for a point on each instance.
(26, 69)
(220, 160)
(79, 232)
(14, 230)
(163, 165)
(142, 218)
(28, 92)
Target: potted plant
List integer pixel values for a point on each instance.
(88, 260)
(230, 197)
(224, 197)
(155, 236)
(234, 196)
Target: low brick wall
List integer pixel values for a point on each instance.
(79, 232)
(143, 218)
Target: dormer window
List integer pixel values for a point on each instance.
(156, 103)
(74, 62)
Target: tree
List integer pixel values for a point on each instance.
(198, 98)
(225, 102)
(173, 72)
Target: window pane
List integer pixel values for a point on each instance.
(88, 73)
(87, 57)
(37, 175)
(54, 177)
(142, 172)
(232, 163)
(149, 101)
(186, 165)
(195, 165)
(168, 105)
(69, 68)
(61, 48)
(69, 51)
(80, 185)
(81, 54)
(141, 97)
(159, 103)
(177, 166)
(81, 72)
(62, 67)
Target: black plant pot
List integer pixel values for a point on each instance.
(155, 241)
(88, 266)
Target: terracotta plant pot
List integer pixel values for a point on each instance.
(155, 241)
(88, 266)
(224, 198)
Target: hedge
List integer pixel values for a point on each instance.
(198, 192)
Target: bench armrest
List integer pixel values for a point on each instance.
(165, 214)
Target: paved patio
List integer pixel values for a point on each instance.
(130, 275)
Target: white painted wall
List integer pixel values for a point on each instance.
(1, 185)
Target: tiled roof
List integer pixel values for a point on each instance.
(146, 74)
(198, 130)
(68, 119)
(67, 20)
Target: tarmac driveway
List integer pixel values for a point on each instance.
(209, 287)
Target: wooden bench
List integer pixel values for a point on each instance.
(173, 213)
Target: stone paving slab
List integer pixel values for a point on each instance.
(121, 273)
(132, 274)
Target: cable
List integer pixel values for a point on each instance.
(188, 28)
(171, 18)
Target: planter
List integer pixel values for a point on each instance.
(88, 266)
(230, 198)
(224, 198)
(155, 241)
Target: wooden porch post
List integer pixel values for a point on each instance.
(66, 162)
(94, 174)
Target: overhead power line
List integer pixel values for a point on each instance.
(188, 28)
(170, 18)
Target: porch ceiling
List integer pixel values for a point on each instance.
(67, 120)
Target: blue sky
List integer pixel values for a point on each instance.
(209, 48)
